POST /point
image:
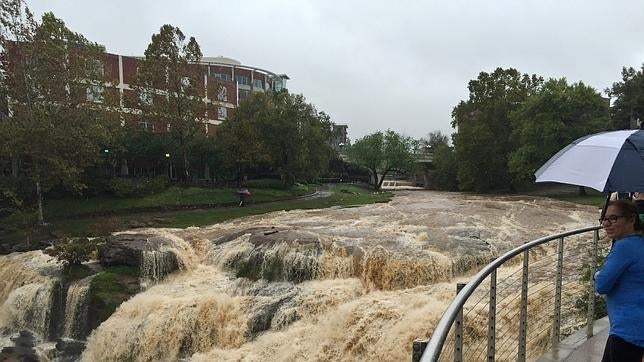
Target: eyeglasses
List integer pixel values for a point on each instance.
(610, 219)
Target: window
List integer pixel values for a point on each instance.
(242, 79)
(222, 76)
(185, 83)
(278, 85)
(243, 94)
(222, 95)
(95, 93)
(146, 97)
(222, 112)
(258, 83)
(146, 124)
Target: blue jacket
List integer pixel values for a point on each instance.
(621, 278)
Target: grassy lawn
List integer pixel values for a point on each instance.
(570, 193)
(173, 196)
(355, 195)
(342, 195)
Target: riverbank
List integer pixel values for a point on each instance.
(101, 216)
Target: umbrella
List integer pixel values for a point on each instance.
(606, 162)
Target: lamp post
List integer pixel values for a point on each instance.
(169, 163)
(106, 152)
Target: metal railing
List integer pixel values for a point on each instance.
(521, 324)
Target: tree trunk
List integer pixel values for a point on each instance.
(382, 179)
(186, 173)
(14, 166)
(376, 184)
(41, 218)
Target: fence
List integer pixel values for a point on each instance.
(521, 304)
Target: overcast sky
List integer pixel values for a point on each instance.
(375, 65)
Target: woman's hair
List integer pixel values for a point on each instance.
(627, 208)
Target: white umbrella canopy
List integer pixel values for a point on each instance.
(607, 162)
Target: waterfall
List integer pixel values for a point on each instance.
(76, 309)
(30, 293)
(29, 307)
(336, 284)
(156, 265)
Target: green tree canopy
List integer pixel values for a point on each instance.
(280, 131)
(628, 106)
(169, 87)
(51, 131)
(482, 140)
(382, 153)
(444, 165)
(557, 114)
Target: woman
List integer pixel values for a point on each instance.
(621, 279)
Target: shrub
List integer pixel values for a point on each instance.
(74, 251)
(125, 187)
(581, 304)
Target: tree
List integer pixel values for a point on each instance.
(550, 119)
(382, 153)
(169, 87)
(298, 138)
(482, 140)
(240, 137)
(443, 167)
(51, 132)
(205, 153)
(279, 131)
(628, 106)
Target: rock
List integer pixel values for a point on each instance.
(23, 348)
(292, 237)
(276, 254)
(69, 347)
(272, 296)
(127, 249)
(147, 252)
(232, 236)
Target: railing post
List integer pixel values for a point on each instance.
(458, 330)
(523, 318)
(556, 326)
(417, 349)
(491, 319)
(591, 287)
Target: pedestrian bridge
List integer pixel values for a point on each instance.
(535, 302)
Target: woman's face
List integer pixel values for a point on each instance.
(616, 224)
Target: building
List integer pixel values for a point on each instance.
(340, 138)
(226, 82)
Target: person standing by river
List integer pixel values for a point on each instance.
(621, 279)
(243, 193)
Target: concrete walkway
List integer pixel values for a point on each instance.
(576, 348)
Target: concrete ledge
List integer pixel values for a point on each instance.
(577, 348)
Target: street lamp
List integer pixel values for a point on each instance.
(169, 166)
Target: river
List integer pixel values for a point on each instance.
(355, 283)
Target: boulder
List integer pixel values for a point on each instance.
(67, 347)
(147, 252)
(276, 255)
(23, 348)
